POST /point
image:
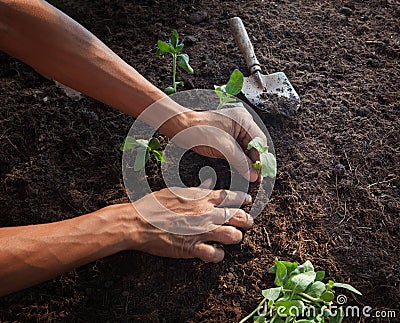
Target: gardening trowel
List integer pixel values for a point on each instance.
(273, 92)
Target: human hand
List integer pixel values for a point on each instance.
(158, 210)
(224, 134)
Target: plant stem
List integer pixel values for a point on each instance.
(174, 72)
(310, 298)
(255, 310)
(221, 104)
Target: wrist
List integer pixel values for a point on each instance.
(130, 225)
(179, 119)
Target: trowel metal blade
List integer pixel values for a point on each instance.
(277, 95)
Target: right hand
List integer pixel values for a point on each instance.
(190, 204)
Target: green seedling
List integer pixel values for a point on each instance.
(227, 92)
(266, 166)
(300, 296)
(174, 48)
(144, 148)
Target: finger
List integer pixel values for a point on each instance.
(243, 164)
(223, 198)
(206, 183)
(208, 253)
(240, 219)
(248, 133)
(236, 217)
(260, 178)
(224, 234)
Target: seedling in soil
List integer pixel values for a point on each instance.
(266, 166)
(143, 150)
(227, 92)
(174, 48)
(300, 296)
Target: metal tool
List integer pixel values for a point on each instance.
(272, 92)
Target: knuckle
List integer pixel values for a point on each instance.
(219, 196)
(241, 215)
(233, 235)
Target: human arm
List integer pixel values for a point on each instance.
(35, 253)
(60, 48)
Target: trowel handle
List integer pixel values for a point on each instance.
(244, 44)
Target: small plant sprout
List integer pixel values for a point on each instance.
(300, 296)
(227, 92)
(174, 48)
(266, 166)
(143, 150)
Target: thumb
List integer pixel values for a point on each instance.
(208, 183)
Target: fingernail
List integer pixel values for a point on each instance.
(248, 198)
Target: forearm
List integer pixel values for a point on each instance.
(60, 48)
(35, 253)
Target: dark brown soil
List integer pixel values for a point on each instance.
(336, 199)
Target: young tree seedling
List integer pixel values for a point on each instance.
(227, 92)
(300, 296)
(174, 48)
(143, 150)
(266, 166)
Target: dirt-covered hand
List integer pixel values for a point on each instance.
(182, 209)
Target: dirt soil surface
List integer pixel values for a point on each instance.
(336, 199)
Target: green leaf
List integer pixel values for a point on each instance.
(159, 52)
(164, 47)
(316, 289)
(169, 90)
(256, 143)
(307, 266)
(327, 296)
(183, 62)
(281, 273)
(268, 166)
(179, 48)
(330, 285)
(141, 159)
(128, 144)
(272, 294)
(299, 282)
(326, 312)
(154, 144)
(228, 99)
(338, 316)
(234, 104)
(320, 275)
(289, 307)
(304, 321)
(235, 83)
(348, 287)
(159, 156)
(218, 91)
(257, 167)
(259, 319)
(174, 38)
(142, 143)
(290, 266)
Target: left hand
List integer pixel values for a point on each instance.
(225, 134)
